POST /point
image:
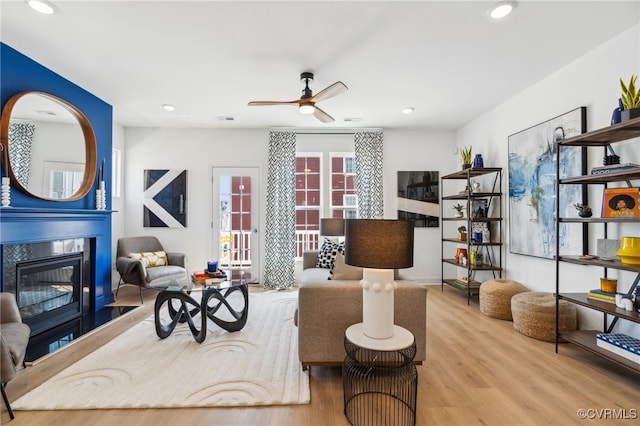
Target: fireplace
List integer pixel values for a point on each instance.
(49, 280)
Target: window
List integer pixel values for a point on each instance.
(344, 202)
(311, 193)
(308, 201)
(116, 172)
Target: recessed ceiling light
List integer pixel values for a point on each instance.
(408, 110)
(502, 9)
(42, 6)
(168, 107)
(353, 119)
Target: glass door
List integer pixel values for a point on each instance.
(235, 220)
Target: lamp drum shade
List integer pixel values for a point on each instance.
(379, 243)
(332, 227)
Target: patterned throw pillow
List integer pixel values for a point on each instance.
(327, 254)
(150, 259)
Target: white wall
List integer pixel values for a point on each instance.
(198, 150)
(591, 81)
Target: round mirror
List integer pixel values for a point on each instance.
(51, 147)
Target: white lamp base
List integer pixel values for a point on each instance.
(377, 302)
(401, 339)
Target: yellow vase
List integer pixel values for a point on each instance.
(629, 252)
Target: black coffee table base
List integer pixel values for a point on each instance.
(189, 308)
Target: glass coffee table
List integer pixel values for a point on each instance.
(176, 291)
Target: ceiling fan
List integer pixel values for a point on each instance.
(307, 102)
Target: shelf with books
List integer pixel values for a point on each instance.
(483, 221)
(595, 299)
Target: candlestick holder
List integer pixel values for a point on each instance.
(6, 192)
(101, 197)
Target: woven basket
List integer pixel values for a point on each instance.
(534, 315)
(495, 297)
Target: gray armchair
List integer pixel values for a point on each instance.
(133, 271)
(14, 338)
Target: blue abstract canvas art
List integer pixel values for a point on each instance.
(532, 186)
(165, 196)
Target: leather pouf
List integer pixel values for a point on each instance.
(534, 315)
(495, 297)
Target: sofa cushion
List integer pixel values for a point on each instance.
(150, 259)
(342, 271)
(314, 274)
(328, 252)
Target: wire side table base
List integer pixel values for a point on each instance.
(380, 387)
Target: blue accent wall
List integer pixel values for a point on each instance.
(30, 219)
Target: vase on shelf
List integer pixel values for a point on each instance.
(460, 252)
(616, 117)
(478, 162)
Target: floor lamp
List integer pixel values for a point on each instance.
(379, 246)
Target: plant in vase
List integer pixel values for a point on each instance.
(465, 157)
(458, 208)
(462, 233)
(630, 99)
(583, 210)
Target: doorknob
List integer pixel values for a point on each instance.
(255, 231)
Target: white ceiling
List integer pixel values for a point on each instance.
(209, 58)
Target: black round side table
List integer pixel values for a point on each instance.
(380, 385)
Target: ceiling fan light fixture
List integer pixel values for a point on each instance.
(307, 108)
(42, 6)
(502, 9)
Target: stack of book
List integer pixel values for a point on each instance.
(626, 346)
(200, 278)
(614, 168)
(603, 296)
(464, 282)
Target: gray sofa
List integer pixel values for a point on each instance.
(326, 308)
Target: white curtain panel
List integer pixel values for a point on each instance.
(280, 236)
(368, 147)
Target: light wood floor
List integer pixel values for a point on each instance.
(478, 371)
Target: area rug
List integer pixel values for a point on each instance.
(257, 365)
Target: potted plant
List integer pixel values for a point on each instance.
(583, 210)
(630, 99)
(458, 208)
(465, 157)
(462, 233)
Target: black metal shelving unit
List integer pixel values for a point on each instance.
(492, 250)
(586, 339)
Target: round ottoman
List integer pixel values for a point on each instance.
(534, 315)
(495, 297)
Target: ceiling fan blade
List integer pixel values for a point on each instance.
(262, 103)
(329, 92)
(322, 116)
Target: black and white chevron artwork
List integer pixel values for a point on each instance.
(165, 199)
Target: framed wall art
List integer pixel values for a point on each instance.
(532, 186)
(418, 198)
(165, 199)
